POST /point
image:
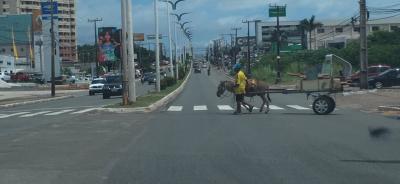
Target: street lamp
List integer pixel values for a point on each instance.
(158, 87)
(170, 39)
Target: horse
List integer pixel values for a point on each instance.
(253, 88)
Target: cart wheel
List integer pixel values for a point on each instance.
(324, 105)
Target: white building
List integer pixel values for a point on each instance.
(66, 18)
(332, 34)
(7, 64)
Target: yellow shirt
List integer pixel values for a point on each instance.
(241, 83)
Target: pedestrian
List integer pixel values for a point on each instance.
(209, 69)
(240, 90)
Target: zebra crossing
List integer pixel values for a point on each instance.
(199, 108)
(46, 113)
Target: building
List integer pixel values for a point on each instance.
(66, 18)
(7, 64)
(333, 34)
(16, 40)
(266, 34)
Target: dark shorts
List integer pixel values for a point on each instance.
(239, 97)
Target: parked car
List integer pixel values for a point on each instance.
(149, 77)
(60, 80)
(388, 78)
(20, 77)
(372, 72)
(5, 76)
(112, 86)
(96, 86)
(38, 78)
(205, 66)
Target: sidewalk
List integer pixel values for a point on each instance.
(370, 101)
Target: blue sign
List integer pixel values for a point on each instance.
(46, 8)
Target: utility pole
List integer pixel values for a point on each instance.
(124, 65)
(363, 45)
(53, 47)
(248, 46)
(95, 40)
(158, 87)
(131, 53)
(278, 11)
(170, 40)
(236, 44)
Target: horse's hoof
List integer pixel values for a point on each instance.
(267, 111)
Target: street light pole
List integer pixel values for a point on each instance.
(158, 87)
(170, 41)
(53, 47)
(236, 43)
(131, 53)
(124, 65)
(248, 47)
(95, 41)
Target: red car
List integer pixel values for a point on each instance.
(20, 77)
(372, 72)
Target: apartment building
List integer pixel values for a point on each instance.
(67, 22)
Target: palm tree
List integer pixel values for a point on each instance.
(310, 25)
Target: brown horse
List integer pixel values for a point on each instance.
(253, 88)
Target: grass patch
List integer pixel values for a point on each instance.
(147, 100)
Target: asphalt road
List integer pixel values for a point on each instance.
(80, 101)
(197, 141)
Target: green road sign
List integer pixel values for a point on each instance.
(275, 11)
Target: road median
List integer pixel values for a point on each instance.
(152, 101)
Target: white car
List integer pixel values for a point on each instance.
(96, 86)
(5, 76)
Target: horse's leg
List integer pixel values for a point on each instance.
(267, 102)
(264, 101)
(248, 106)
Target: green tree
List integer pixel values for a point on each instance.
(310, 25)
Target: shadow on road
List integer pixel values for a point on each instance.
(374, 161)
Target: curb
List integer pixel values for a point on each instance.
(160, 103)
(389, 108)
(35, 101)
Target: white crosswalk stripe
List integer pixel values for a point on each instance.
(298, 107)
(200, 108)
(175, 108)
(14, 114)
(225, 108)
(34, 114)
(84, 111)
(274, 107)
(60, 112)
(254, 108)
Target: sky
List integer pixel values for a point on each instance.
(210, 18)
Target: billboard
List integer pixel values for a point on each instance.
(138, 37)
(108, 41)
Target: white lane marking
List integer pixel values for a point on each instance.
(60, 112)
(298, 107)
(225, 108)
(200, 108)
(175, 108)
(274, 107)
(34, 114)
(85, 111)
(11, 115)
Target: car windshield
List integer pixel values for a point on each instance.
(114, 79)
(385, 72)
(98, 81)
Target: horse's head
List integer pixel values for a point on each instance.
(221, 88)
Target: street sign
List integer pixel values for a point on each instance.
(153, 37)
(277, 11)
(46, 8)
(138, 37)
